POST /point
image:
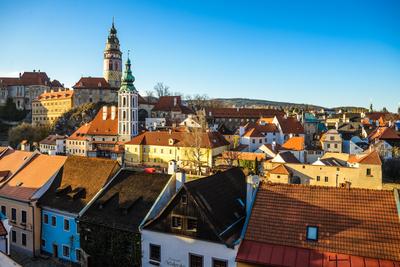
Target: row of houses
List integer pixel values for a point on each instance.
(92, 212)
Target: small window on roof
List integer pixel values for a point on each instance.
(312, 233)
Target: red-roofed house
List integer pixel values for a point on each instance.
(99, 138)
(171, 108)
(25, 88)
(93, 90)
(297, 225)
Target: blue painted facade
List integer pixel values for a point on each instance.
(56, 236)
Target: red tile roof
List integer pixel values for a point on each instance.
(81, 133)
(171, 103)
(242, 112)
(359, 222)
(290, 125)
(370, 158)
(31, 78)
(257, 130)
(244, 155)
(280, 169)
(92, 83)
(180, 139)
(65, 94)
(384, 133)
(23, 185)
(276, 255)
(109, 126)
(294, 143)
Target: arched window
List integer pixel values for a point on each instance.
(110, 65)
(124, 115)
(115, 65)
(124, 101)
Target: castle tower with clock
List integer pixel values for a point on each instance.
(112, 63)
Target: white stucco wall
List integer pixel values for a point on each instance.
(175, 250)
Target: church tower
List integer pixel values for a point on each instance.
(112, 63)
(127, 106)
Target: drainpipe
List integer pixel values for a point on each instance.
(33, 228)
(397, 200)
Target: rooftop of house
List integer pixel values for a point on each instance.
(218, 199)
(56, 95)
(31, 78)
(280, 169)
(360, 222)
(104, 125)
(259, 130)
(35, 174)
(78, 182)
(384, 133)
(294, 143)
(180, 139)
(81, 133)
(92, 83)
(11, 160)
(171, 103)
(242, 112)
(290, 125)
(51, 139)
(287, 157)
(244, 156)
(126, 200)
(370, 158)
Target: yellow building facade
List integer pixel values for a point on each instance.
(158, 148)
(362, 172)
(49, 106)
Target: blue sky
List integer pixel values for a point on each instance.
(321, 52)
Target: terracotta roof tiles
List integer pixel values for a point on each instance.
(180, 139)
(35, 174)
(294, 143)
(92, 83)
(360, 222)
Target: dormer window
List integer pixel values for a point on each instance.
(191, 224)
(184, 199)
(176, 222)
(312, 233)
(170, 141)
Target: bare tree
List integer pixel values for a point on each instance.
(195, 151)
(161, 89)
(149, 93)
(231, 158)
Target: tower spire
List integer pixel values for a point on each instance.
(128, 79)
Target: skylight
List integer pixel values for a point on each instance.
(312, 233)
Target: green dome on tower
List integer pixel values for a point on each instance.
(127, 78)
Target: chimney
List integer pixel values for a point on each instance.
(104, 113)
(180, 177)
(237, 109)
(113, 111)
(336, 125)
(172, 167)
(273, 144)
(174, 101)
(252, 184)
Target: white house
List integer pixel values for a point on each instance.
(193, 227)
(53, 145)
(354, 146)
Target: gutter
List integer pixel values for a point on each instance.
(246, 223)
